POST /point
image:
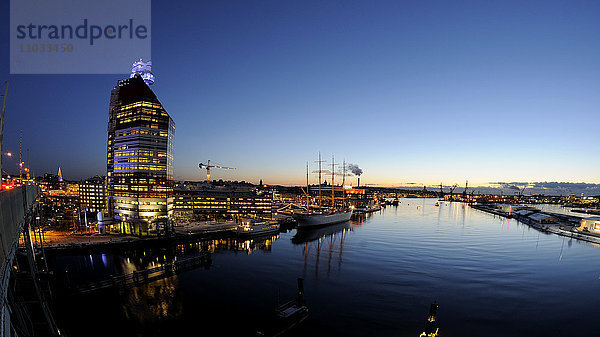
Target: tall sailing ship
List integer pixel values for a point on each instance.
(321, 216)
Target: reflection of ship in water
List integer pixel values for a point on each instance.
(307, 235)
(358, 220)
(326, 242)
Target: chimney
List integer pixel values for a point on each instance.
(358, 182)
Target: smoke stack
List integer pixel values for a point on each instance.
(358, 182)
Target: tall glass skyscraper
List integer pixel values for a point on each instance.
(139, 157)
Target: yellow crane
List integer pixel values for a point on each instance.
(208, 166)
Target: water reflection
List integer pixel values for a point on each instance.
(304, 235)
(149, 258)
(154, 301)
(484, 269)
(327, 242)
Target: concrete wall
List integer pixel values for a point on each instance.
(12, 218)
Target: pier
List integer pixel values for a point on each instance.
(564, 226)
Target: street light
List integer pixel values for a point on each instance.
(8, 154)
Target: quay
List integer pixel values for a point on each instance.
(564, 224)
(80, 242)
(61, 242)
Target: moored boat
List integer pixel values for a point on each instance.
(266, 228)
(287, 315)
(321, 218)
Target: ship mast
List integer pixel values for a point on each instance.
(343, 184)
(332, 182)
(320, 161)
(307, 186)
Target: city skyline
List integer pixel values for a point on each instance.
(398, 89)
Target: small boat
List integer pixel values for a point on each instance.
(287, 315)
(431, 329)
(367, 209)
(249, 229)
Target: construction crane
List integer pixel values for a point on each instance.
(208, 166)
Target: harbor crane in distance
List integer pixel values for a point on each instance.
(520, 193)
(452, 190)
(208, 166)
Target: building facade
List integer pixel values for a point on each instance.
(92, 194)
(139, 159)
(218, 204)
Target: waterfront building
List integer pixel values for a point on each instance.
(213, 204)
(543, 218)
(139, 157)
(591, 224)
(92, 194)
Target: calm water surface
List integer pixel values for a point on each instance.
(375, 277)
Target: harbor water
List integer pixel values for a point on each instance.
(374, 276)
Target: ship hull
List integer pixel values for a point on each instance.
(317, 220)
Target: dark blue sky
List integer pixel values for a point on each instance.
(417, 91)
